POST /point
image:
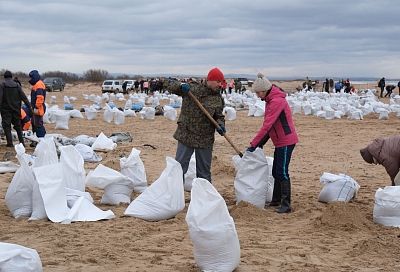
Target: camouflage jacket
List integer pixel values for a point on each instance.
(194, 128)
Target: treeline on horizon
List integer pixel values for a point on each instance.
(91, 75)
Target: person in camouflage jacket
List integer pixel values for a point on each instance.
(195, 133)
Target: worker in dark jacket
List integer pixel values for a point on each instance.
(195, 132)
(38, 97)
(382, 84)
(384, 151)
(11, 95)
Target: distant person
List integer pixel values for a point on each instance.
(141, 85)
(124, 85)
(278, 125)
(338, 86)
(381, 84)
(11, 95)
(38, 99)
(195, 132)
(326, 85)
(136, 84)
(384, 151)
(231, 86)
(238, 86)
(17, 81)
(389, 90)
(398, 85)
(347, 86)
(146, 86)
(331, 85)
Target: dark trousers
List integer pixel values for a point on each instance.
(382, 89)
(203, 160)
(14, 118)
(38, 126)
(280, 169)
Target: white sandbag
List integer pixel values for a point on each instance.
(270, 179)
(84, 211)
(170, 113)
(73, 169)
(251, 184)
(117, 187)
(73, 195)
(84, 139)
(38, 210)
(260, 108)
(384, 115)
(230, 113)
(212, 230)
(103, 143)
(87, 153)
(75, 114)
(252, 110)
(19, 193)
(147, 113)
(190, 174)
(53, 99)
(387, 206)
(90, 113)
(8, 167)
(62, 119)
(133, 168)
(128, 104)
(163, 199)
(108, 114)
(307, 109)
(53, 192)
(119, 117)
(337, 188)
(16, 258)
(129, 113)
(45, 152)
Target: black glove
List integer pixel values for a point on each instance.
(251, 149)
(221, 130)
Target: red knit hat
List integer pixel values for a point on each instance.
(215, 74)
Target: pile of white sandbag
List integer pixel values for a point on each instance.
(44, 187)
(340, 188)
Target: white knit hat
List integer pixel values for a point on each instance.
(261, 84)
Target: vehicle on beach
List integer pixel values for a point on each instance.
(112, 86)
(54, 83)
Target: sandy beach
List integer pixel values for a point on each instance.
(315, 237)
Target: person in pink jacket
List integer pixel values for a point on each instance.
(278, 125)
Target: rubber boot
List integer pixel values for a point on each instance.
(20, 136)
(7, 132)
(276, 195)
(285, 201)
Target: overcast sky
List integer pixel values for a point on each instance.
(276, 37)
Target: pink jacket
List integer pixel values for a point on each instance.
(278, 124)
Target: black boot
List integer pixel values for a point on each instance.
(276, 196)
(20, 136)
(8, 134)
(285, 202)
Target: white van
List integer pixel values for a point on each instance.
(114, 86)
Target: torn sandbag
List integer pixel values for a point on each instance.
(212, 230)
(164, 198)
(45, 152)
(8, 167)
(119, 137)
(73, 170)
(87, 153)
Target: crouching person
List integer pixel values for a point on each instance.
(195, 132)
(38, 97)
(384, 151)
(278, 125)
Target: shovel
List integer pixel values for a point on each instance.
(214, 122)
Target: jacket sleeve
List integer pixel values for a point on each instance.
(218, 115)
(175, 88)
(1, 95)
(272, 111)
(23, 97)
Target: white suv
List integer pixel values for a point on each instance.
(130, 84)
(114, 86)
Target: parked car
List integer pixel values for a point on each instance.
(54, 83)
(114, 86)
(245, 82)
